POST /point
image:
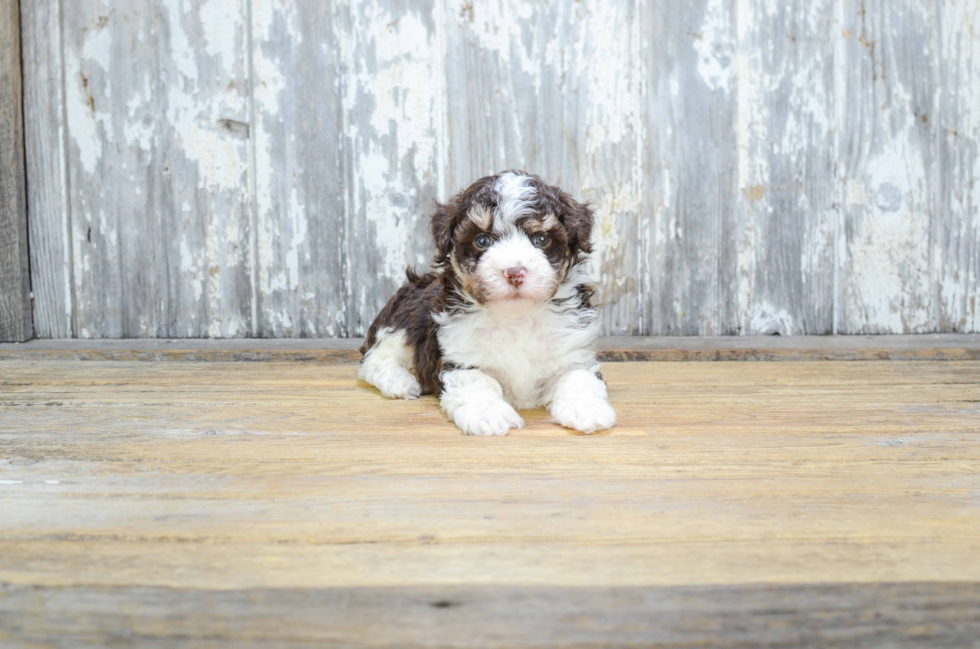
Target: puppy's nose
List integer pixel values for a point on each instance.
(516, 275)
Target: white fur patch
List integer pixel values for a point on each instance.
(387, 366)
(525, 352)
(581, 402)
(516, 195)
(515, 250)
(475, 402)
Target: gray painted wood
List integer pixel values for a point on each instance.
(957, 192)
(394, 112)
(299, 169)
(268, 168)
(689, 259)
(157, 103)
(787, 190)
(47, 182)
(887, 80)
(15, 282)
(930, 615)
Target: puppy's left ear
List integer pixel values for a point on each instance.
(577, 219)
(442, 225)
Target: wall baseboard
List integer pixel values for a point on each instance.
(932, 347)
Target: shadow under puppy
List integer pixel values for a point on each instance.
(506, 321)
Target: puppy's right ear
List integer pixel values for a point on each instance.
(442, 225)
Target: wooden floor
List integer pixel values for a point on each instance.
(286, 504)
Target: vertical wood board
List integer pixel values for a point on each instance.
(393, 101)
(15, 285)
(299, 172)
(957, 192)
(47, 181)
(158, 114)
(787, 189)
(887, 81)
(688, 269)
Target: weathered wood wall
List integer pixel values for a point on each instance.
(15, 281)
(265, 167)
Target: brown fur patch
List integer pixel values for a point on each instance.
(482, 217)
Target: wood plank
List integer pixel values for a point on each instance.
(688, 274)
(957, 193)
(192, 475)
(47, 181)
(555, 88)
(16, 321)
(841, 615)
(957, 347)
(887, 80)
(934, 347)
(158, 113)
(299, 168)
(787, 186)
(393, 99)
(211, 502)
(319, 350)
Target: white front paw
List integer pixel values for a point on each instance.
(400, 386)
(494, 417)
(585, 415)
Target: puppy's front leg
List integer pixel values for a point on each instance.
(476, 403)
(581, 402)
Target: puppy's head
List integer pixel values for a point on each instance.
(511, 239)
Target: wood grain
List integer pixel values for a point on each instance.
(157, 102)
(756, 167)
(393, 129)
(689, 230)
(47, 167)
(787, 186)
(16, 322)
(887, 81)
(300, 169)
(957, 206)
(770, 486)
(844, 616)
(934, 347)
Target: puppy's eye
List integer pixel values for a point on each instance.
(540, 239)
(483, 241)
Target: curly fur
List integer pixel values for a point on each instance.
(483, 342)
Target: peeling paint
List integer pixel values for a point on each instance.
(88, 121)
(197, 122)
(610, 116)
(888, 257)
(751, 166)
(788, 221)
(395, 139)
(713, 44)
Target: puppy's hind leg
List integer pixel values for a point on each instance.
(386, 366)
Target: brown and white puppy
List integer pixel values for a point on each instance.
(506, 321)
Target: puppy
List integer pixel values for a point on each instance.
(506, 321)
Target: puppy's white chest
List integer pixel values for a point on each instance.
(520, 352)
